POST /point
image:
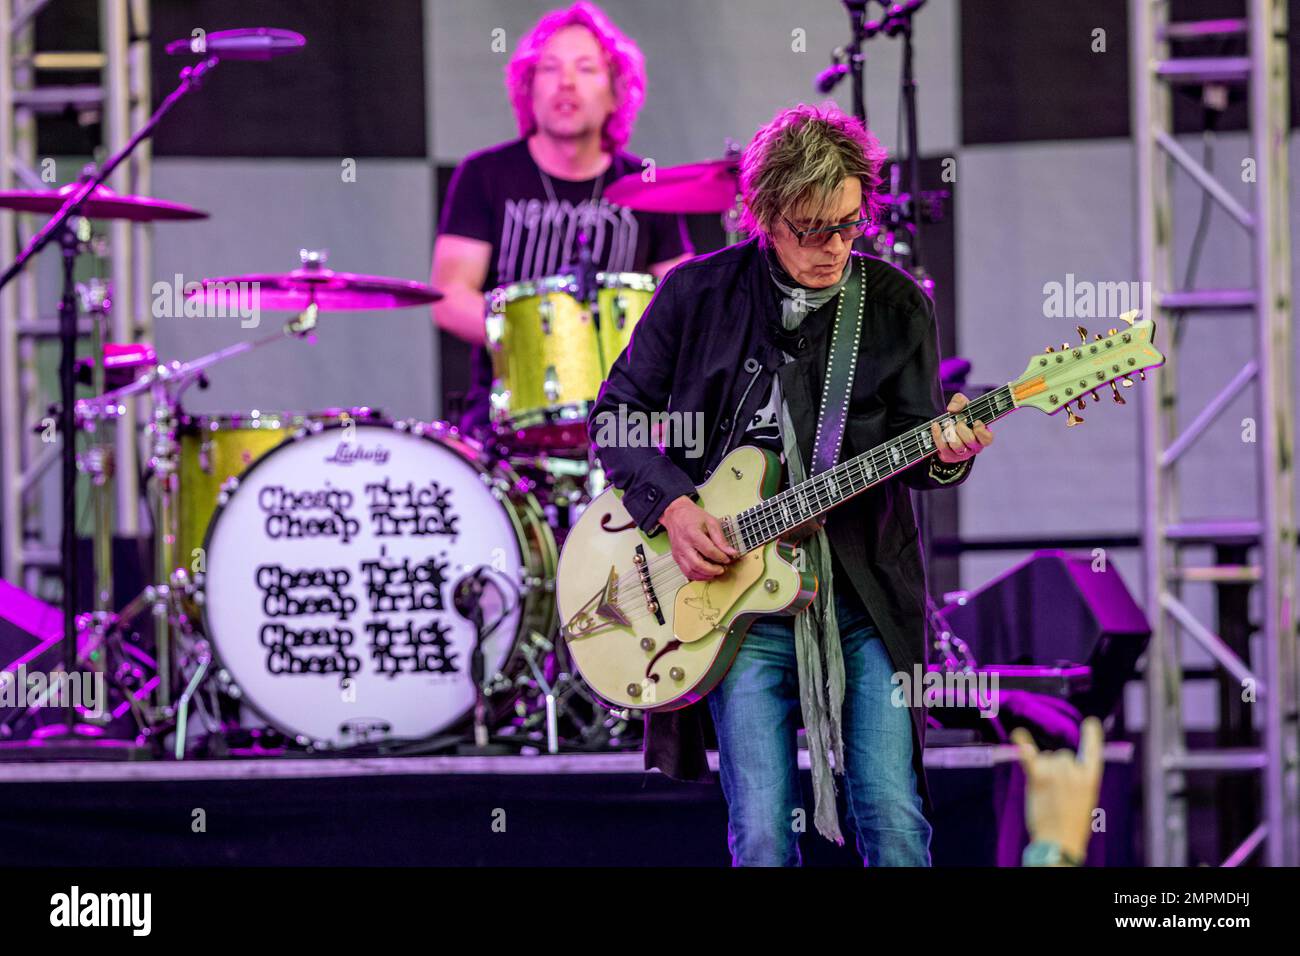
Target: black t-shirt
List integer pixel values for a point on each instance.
(499, 196)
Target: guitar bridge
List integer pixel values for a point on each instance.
(647, 586)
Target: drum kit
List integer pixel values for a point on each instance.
(351, 581)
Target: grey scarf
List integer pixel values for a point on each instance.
(816, 630)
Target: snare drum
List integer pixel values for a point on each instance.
(333, 566)
(551, 352)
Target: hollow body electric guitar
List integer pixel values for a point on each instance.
(645, 637)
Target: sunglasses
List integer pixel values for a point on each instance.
(813, 238)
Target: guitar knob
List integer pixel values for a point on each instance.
(634, 690)
(647, 644)
(771, 585)
(676, 673)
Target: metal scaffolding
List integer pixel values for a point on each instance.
(122, 101)
(1268, 532)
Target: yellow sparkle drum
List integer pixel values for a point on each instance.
(551, 352)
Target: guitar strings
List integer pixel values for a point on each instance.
(763, 518)
(664, 572)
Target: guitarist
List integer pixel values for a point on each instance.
(741, 338)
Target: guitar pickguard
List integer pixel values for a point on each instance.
(701, 605)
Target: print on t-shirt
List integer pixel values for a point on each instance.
(765, 427)
(542, 237)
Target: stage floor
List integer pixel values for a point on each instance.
(568, 809)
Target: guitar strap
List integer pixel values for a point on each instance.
(840, 368)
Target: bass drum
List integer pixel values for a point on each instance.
(332, 567)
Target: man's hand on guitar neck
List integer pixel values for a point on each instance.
(700, 547)
(960, 441)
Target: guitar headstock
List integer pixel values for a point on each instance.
(1058, 377)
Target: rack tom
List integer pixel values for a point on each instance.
(551, 352)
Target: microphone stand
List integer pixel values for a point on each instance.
(469, 604)
(58, 225)
(856, 59)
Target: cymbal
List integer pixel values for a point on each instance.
(710, 186)
(330, 291)
(102, 203)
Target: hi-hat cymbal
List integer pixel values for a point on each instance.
(710, 186)
(328, 290)
(102, 203)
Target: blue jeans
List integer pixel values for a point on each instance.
(756, 712)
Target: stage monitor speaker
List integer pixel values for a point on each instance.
(1057, 608)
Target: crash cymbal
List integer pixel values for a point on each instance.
(328, 290)
(102, 203)
(710, 186)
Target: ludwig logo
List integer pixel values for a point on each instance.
(362, 729)
(346, 453)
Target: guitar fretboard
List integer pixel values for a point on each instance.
(775, 516)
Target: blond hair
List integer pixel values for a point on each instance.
(622, 57)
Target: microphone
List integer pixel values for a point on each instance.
(468, 594)
(830, 77)
(247, 43)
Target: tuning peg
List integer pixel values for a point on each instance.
(1112, 331)
(1049, 349)
(1083, 334)
(1095, 397)
(1131, 315)
(1126, 382)
(1082, 404)
(1097, 337)
(1072, 418)
(1065, 346)
(1142, 375)
(1119, 399)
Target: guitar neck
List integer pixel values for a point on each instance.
(778, 515)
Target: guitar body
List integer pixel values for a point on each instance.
(610, 605)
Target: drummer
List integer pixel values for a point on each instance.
(514, 212)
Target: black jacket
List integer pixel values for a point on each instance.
(709, 342)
